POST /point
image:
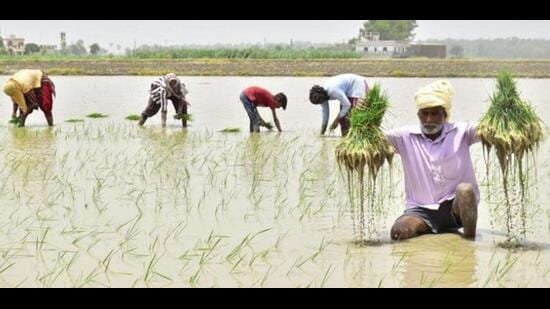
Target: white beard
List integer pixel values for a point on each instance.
(431, 129)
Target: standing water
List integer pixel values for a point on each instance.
(104, 203)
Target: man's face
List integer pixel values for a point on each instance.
(431, 119)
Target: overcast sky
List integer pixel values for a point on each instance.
(111, 33)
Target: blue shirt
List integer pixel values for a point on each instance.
(341, 87)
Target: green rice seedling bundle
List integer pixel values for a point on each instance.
(133, 117)
(74, 120)
(96, 115)
(268, 125)
(363, 153)
(512, 128)
(14, 120)
(365, 145)
(188, 117)
(231, 130)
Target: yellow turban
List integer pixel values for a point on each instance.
(12, 89)
(438, 93)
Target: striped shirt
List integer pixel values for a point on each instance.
(161, 92)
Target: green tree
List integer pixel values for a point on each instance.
(77, 49)
(390, 29)
(95, 49)
(31, 48)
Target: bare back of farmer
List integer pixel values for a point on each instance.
(441, 188)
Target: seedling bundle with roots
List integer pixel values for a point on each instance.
(512, 128)
(361, 154)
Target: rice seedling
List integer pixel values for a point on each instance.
(231, 130)
(268, 125)
(194, 279)
(14, 120)
(150, 267)
(512, 128)
(263, 254)
(266, 275)
(133, 117)
(97, 115)
(380, 283)
(188, 117)
(362, 153)
(4, 268)
(327, 275)
(74, 120)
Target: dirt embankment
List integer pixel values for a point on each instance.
(269, 67)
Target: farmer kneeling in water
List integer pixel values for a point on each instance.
(30, 90)
(440, 184)
(168, 87)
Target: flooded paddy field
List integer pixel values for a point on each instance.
(104, 203)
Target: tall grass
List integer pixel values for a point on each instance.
(247, 53)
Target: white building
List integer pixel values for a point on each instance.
(14, 46)
(387, 49)
(372, 46)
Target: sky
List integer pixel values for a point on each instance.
(127, 33)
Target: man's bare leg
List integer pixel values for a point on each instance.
(164, 115)
(465, 208)
(22, 119)
(14, 112)
(49, 119)
(184, 114)
(142, 120)
(408, 227)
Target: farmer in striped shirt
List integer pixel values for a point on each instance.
(30, 90)
(168, 87)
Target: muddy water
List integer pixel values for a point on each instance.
(103, 203)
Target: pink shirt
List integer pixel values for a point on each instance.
(433, 169)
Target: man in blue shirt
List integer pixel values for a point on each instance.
(346, 88)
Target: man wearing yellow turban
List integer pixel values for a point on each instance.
(440, 184)
(30, 90)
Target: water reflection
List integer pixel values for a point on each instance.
(444, 260)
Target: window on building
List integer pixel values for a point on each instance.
(366, 49)
(385, 49)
